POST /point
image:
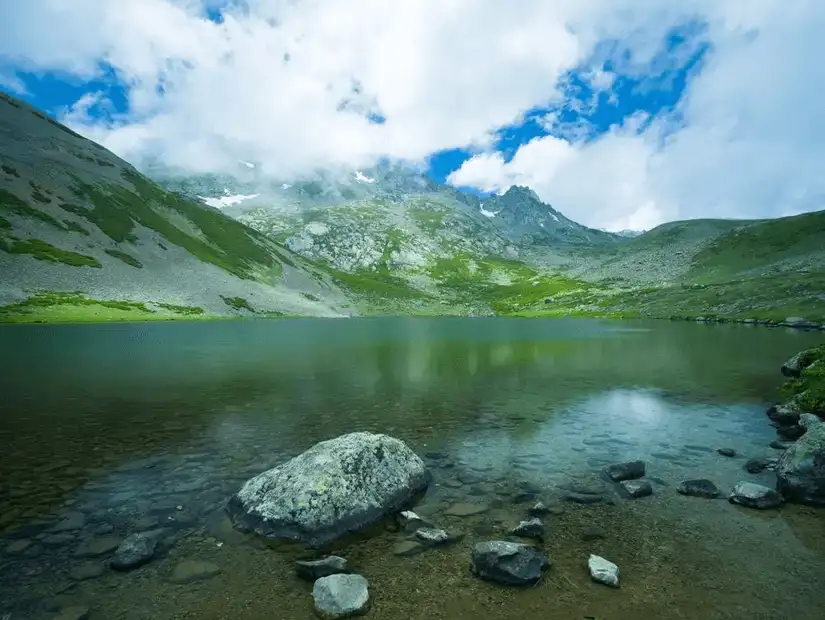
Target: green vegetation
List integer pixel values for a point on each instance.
(209, 236)
(395, 238)
(430, 220)
(39, 194)
(809, 389)
(74, 226)
(237, 303)
(56, 307)
(47, 252)
(4, 223)
(11, 204)
(126, 258)
(311, 297)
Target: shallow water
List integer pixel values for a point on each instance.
(121, 428)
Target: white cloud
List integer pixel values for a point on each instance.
(276, 84)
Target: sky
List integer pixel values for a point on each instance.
(622, 114)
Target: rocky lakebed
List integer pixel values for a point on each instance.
(720, 519)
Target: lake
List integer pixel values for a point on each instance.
(112, 429)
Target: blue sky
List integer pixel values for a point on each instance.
(631, 113)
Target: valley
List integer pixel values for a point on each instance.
(84, 236)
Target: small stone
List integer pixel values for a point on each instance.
(135, 551)
(98, 546)
(89, 570)
(57, 540)
(532, 528)
(729, 452)
(626, 471)
(583, 498)
(758, 465)
(17, 547)
(406, 548)
(75, 612)
(311, 570)
(637, 488)
(779, 445)
(410, 521)
(70, 522)
(341, 596)
(698, 488)
(538, 509)
(509, 563)
(193, 570)
(755, 495)
(464, 509)
(431, 535)
(603, 571)
(592, 533)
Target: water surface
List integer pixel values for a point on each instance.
(135, 427)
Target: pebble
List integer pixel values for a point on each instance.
(135, 551)
(603, 571)
(340, 596)
(698, 488)
(189, 571)
(754, 495)
(312, 570)
(532, 528)
(637, 488)
(89, 570)
(464, 509)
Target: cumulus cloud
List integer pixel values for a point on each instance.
(293, 84)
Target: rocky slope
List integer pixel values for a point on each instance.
(84, 235)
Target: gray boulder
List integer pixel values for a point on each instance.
(336, 487)
(312, 570)
(135, 551)
(508, 563)
(698, 488)
(626, 471)
(799, 362)
(341, 596)
(800, 472)
(637, 488)
(754, 495)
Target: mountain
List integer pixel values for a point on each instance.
(84, 235)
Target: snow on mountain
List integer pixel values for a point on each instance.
(226, 201)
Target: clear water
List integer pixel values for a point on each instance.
(140, 426)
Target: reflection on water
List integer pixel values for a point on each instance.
(113, 429)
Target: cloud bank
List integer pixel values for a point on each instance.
(298, 85)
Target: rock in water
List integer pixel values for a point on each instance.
(637, 488)
(532, 528)
(698, 488)
(336, 487)
(311, 570)
(729, 452)
(340, 596)
(603, 571)
(800, 472)
(508, 563)
(135, 551)
(626, 471)
(755, 495)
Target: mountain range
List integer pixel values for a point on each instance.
(83, 234)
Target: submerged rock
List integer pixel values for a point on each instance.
(508, 563)
(97, 546)
(189, 571)
(432, 536)
(758, 465)
(626, 471)
(532, 528)
(88, 570)
(135, 551)
(73, 612)
(340, 596)
(729, 452)
(603, 571)
(800, 471)
(69, 522)
(336, 487)
(312, 570)
(637, 488)
(407, 548)
(698, 488)
(538, 509)
(755, 495)
(464, 509)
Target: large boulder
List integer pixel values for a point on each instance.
(800, 472)
(336, 487)
(799, 362)
(508, 563)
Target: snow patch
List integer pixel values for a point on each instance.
(226, 201)
(285, 186)
(246, 163)
(555, 217)
(487, 213)
(359, 176)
